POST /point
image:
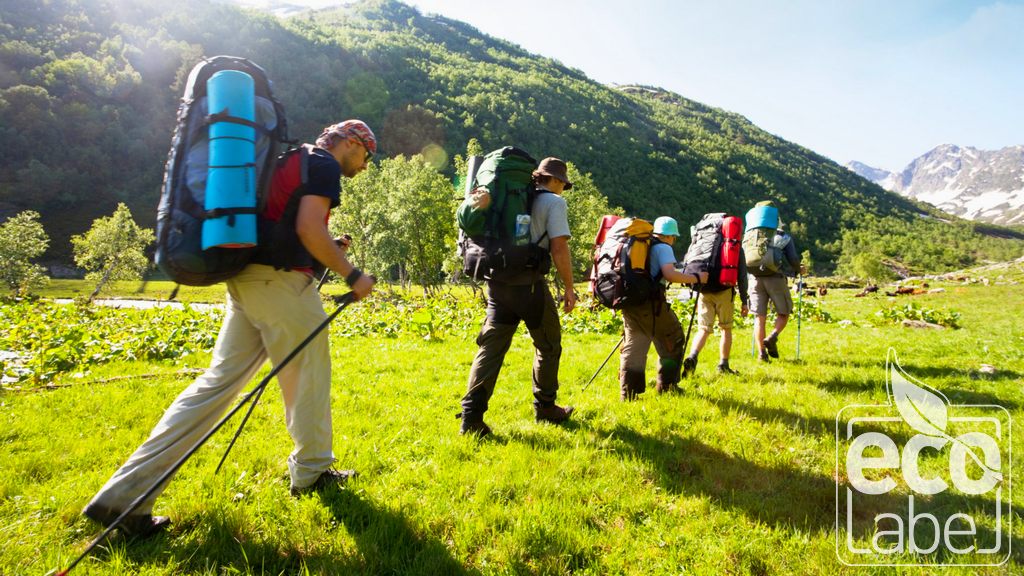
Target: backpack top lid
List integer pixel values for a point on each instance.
(509, 167)
(627, 227)
(607, 222)
(762, 217)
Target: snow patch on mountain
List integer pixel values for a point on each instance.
(986, 185)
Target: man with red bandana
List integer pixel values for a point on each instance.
(272, 305)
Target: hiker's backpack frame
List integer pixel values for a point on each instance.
(715, 249)
(488, 248)
(620, 277)
(181, 213)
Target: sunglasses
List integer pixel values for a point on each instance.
(369, 155)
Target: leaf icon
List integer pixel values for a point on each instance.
(922, 407)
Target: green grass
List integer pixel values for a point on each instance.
(735, 476)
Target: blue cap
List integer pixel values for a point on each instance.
(666, 226)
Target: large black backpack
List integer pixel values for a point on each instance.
(715, 249)
(180, 214)
(496, 243)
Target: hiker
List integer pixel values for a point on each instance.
(526, 298)
(654, 321)
(768, 250)
(269, 310)
(717, 302)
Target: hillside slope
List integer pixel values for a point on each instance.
(102, 78)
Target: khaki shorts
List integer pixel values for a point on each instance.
(715, 305)
(774, 288)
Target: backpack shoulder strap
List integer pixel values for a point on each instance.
(531, 195)
(654, 241)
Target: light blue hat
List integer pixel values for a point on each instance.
(666, 226)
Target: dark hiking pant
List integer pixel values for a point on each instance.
(646, 324)
(506, 307)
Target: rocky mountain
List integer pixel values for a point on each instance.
(985, 185)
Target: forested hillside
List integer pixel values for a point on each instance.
(89, 90)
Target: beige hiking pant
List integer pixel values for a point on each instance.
(268, 312)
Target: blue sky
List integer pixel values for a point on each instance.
(880, 81)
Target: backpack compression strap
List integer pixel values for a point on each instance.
(223, 116)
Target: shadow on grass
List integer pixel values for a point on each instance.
(956, 395)
(809, 425)
(214, 542)
(928, 371)
(388, 543)
(783, 497)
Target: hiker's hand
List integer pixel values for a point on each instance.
(702, 277)
(480, 198)
(744, 310)
(362, 287)
(803, 269)
(569, 300)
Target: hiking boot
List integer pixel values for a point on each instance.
(329, 477)
(136, 525)
(689, 365)
(474, 428)
(631, 384)
(551, 413)
(763, 357)
(663, 387)
(723, 368)
(772, 346)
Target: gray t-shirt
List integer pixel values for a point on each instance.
(550, 214)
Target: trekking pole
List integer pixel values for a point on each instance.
(753, 339)
(693, 314)
(621, 340)
(256, 399)
(799, 311)
(345, 300)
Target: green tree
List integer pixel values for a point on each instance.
(22, 239)
(400, 215)
(808, 261)
(113, 249)
(869, 266)
(586, 205)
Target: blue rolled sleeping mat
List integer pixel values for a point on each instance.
(762, 217)
(231, 179)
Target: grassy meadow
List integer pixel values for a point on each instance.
(737, 475)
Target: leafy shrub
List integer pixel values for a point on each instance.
(811, 309)
(48, 339)
(912, 311)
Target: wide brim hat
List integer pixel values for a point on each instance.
(556, 169)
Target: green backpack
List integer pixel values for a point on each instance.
(496, 242)
(763, 248)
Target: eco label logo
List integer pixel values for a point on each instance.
(920, 481)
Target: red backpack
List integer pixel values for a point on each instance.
(715, 248)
